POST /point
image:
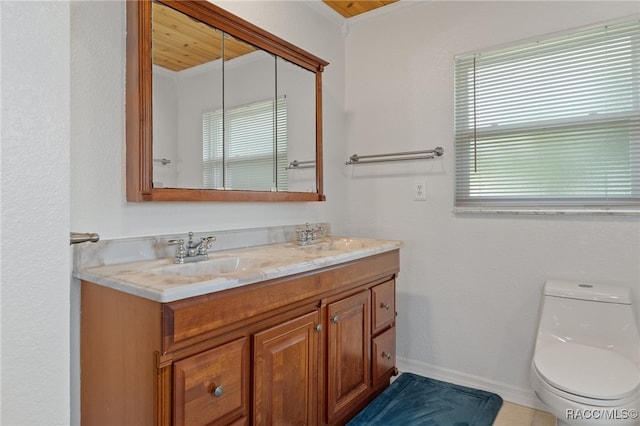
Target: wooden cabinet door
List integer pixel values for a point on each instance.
(286, 373)
(349, 349)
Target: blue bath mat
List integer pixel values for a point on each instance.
(413, 400)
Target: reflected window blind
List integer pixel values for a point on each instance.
(254, 153)
(552, 124)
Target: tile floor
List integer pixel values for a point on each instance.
(517, 415)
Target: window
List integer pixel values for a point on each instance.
(552, 125)
(254, 153)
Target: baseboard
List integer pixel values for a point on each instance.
(525, 397)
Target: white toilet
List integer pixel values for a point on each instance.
(586, 362)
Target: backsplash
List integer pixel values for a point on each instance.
(118, 250)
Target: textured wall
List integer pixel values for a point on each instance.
(469, 287)
(35, 213)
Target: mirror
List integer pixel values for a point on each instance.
(218, 109)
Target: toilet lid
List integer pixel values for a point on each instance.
(587, 371)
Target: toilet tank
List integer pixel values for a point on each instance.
(609, 293)
(593, 314)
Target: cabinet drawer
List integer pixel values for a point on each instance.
(384, 353)
(384, 305)
(210, 385)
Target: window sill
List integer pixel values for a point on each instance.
(545, 212)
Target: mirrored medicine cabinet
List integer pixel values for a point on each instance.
(218, 109)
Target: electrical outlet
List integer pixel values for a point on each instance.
(419, 193)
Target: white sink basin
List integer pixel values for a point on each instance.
(235, 266)
(211, 267)
(338, 244)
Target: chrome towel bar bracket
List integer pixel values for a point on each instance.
(83, 237)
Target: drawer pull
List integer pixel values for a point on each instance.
(386, 355)
(217, 391)
(385, 306)
(335, 319)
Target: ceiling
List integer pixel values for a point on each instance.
(179, 42)
(349, 9)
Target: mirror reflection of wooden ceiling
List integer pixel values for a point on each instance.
(180, 42)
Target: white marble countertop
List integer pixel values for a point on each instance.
(162, 280)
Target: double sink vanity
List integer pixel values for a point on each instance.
(265, 331)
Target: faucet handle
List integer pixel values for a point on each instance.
(205, 243)
(181, 251)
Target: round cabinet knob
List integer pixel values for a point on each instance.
(335, 319)
(386, 356)
(385, 306)
(319, 328)
(217, 391)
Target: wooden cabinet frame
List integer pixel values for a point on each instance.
(139, 133)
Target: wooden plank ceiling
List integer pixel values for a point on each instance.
(180, 42)
(349, 9)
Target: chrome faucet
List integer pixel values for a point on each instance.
(192, 251)
(308, 235)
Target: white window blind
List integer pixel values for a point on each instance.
(552, 124)
(252, 155)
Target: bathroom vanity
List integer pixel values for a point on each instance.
(273, 334)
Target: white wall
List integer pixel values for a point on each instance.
(469, 286)
(35, 213)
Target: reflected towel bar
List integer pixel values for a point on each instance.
(396, 156)
(295, 164)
